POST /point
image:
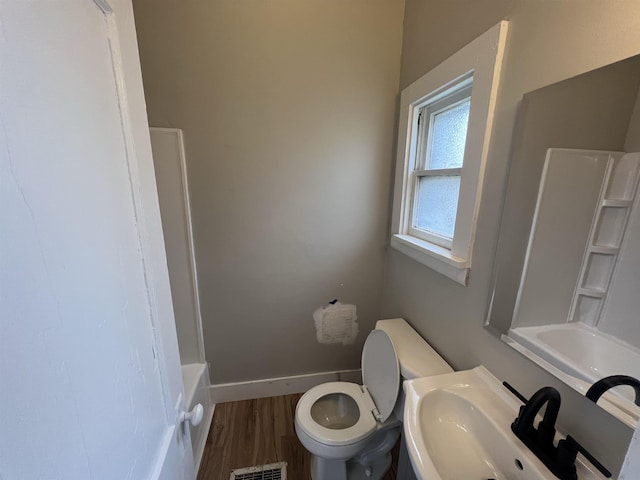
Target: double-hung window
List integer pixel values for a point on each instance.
(441, 137)
(444, 135)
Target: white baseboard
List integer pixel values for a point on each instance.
(272, 387)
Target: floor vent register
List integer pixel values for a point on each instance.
(273, 471)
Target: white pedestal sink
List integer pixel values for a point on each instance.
(458, 427)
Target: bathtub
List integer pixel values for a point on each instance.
(582, 355)
(197, 389)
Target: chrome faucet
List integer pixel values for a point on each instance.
(597, 389)
(561, 459)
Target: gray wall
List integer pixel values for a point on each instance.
(632, 143)
(288, 112)
(548, 42)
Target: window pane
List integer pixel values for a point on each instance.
(437, 204)
(448, 137)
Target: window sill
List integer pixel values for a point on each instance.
(437, 258)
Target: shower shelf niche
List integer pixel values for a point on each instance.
(610, 220)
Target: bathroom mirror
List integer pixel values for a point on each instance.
(566, 289)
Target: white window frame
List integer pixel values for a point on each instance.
(480, 63)
(458, 94)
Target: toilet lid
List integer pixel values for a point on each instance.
(381, 372)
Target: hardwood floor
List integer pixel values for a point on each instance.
(257, 432)
(254, 432)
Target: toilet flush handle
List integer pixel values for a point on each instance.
(194, 417)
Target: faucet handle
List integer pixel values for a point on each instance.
(544, 433)
(515, 392)
(568, 450)
(520, 397)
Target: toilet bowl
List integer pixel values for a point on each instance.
(330, 423)
(350, 429)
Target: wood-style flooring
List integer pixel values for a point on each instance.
(257, 432)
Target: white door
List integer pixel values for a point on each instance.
(90, 382)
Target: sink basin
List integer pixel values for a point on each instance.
(458, 426)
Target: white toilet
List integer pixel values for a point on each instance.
(350, 429)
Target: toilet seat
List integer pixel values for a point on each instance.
(375, 399)
(381, 372)
(365, 425)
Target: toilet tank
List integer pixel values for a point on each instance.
(416, 357)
